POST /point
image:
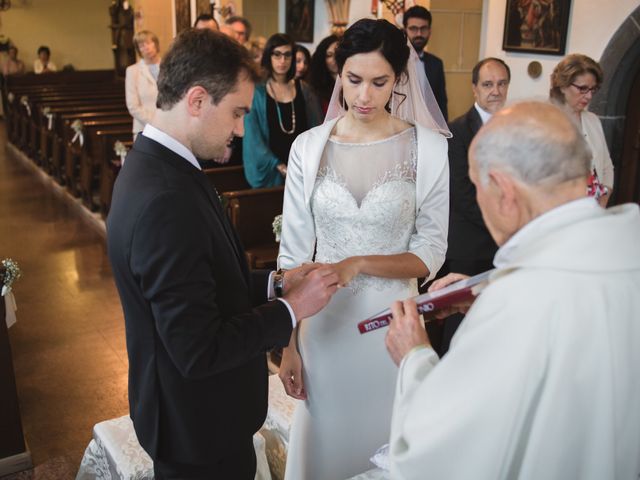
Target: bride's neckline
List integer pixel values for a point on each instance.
(332, 139)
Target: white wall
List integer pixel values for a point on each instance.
(322, 21)
(592, 23)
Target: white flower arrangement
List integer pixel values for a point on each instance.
(277, 226)
(120, 150)
(77, 127)
(46, 111)
(24, 100)
(11, 274)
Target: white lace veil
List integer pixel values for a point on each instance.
(412, 101)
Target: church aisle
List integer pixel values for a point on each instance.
(68, 345)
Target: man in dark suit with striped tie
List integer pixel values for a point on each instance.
(417, 24)
(470, 245)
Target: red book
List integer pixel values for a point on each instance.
(430, 302)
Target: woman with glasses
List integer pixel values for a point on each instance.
(282, 108)
(324, 69)
(574, 81)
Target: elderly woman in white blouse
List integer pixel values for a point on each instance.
(574, 81)
(141, 80)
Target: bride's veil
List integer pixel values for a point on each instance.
(413, 99)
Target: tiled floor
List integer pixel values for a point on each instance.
(68, 345)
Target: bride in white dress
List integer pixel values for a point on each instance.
(368, 193)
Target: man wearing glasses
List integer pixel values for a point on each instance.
(471, 248)
(417, 24)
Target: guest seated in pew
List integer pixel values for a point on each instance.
(13, 66)
(198, 323)
(141, 89)
(542, 377)
(43, 63)
(282, 109)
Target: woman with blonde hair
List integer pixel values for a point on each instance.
(574, 82)
(141, 79)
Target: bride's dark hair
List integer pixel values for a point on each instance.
(368, 35)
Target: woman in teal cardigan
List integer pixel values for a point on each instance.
(282, 109)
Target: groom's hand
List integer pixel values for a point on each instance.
(294, 276)
(310, 288)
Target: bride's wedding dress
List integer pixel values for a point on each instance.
(363, 203)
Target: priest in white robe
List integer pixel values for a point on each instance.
(542, 380)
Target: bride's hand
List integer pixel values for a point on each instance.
(291, 373)
(346, 270)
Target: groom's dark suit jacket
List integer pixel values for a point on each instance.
(469, 239)
(196, 344)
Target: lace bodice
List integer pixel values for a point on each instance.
(364, 201)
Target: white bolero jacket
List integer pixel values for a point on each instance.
(594, 134)
(429, 241)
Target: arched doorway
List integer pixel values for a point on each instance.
(618, 105)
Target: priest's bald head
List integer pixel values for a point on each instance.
(528, 159)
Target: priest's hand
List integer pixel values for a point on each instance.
(460, 307)
(406, 330)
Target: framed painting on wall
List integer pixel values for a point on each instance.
(536, 26)
(299, 20)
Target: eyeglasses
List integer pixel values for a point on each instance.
(502, 84)
(278, 55)
(584, 89)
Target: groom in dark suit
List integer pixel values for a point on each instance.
(470, 245)
(197, 320)
(417, 24)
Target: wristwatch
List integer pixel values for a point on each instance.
(278, 283)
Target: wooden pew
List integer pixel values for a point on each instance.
(108, 173)
(251, 212)
(28, 101)
(38, 119)
(93, 160)
(52, 138)
(65, 134)
(74, 151)
(46, 88)
(227, 179)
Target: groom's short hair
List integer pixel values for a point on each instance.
(202, 58)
